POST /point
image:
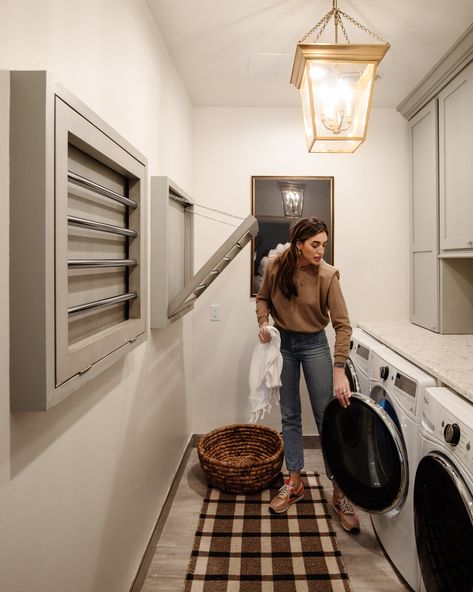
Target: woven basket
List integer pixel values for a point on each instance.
(241, 458)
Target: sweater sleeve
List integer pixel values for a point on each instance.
(263, 298)
(340, 320)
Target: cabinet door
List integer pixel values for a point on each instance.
(424, 233)
(455, 162)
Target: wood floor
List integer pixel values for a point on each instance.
(367, 567)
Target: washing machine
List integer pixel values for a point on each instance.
(356, 367)
(372, 449)
(443, 493)
(398, 387)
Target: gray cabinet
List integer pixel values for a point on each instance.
(442, 209)
(78, 277)
(455, 163)
(424, 213)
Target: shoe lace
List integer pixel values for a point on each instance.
(286, 491)
(345, 505)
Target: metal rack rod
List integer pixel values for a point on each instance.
(101, 303)
(101, 263)
(101, 226)
(214, 266)
(80, 180)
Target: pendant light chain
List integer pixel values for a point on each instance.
(342, 27)
(337, 14)
(323, 21)
(362, 27)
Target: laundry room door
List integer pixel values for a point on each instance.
(366, 454)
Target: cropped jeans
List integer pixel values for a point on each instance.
(310, 350)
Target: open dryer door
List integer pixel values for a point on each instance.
(366, 454)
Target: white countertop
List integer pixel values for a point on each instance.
(449, 358)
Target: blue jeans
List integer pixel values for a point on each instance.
(312, 351)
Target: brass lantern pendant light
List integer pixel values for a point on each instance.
(336, 85)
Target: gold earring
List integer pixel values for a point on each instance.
(299, 251)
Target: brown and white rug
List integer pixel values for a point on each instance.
(240, 547)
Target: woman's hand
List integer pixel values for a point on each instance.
(341, 387)
(263, 334)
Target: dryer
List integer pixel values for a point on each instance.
(372, 450)
(443, 492)
(397, 386)
(356, 367)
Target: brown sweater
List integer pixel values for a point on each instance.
(320, 300)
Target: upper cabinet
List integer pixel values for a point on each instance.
(455, 163)
(78, 276)
(440, 114)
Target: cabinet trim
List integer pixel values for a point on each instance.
(457, 58)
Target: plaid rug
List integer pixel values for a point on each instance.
(241, 547)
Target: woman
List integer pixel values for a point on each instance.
(300, 291)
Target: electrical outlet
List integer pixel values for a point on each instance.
(215, 312)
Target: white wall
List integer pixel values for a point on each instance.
(81, 486)
(371, 232)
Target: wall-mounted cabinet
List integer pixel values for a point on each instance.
(455, 163)
(78, 268)
(442, 193)
(174, 286)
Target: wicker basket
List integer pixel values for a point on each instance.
(241, 458)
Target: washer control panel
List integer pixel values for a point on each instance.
(361, 354)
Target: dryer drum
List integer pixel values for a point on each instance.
(443, 526)
(365, 453)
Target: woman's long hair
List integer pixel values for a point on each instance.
(304, 229)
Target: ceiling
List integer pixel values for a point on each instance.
(240, 52)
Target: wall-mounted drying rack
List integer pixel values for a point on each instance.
(174, 286)
(77, 242)
(247, 230)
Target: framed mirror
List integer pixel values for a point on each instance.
(278, 203)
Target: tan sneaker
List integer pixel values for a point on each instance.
(287, 496)
(344, 509)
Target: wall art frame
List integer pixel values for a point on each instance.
(278, 202)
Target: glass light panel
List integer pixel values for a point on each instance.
(340, 94)
(306, 98)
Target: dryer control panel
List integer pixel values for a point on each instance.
(405, 389)
(449, 418)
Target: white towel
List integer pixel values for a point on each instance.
(265, 376)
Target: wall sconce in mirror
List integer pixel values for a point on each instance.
(278, 202)
(292, 199)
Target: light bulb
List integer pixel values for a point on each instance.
(317, 72)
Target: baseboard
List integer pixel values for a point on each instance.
(150, 550)
(309, 442)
